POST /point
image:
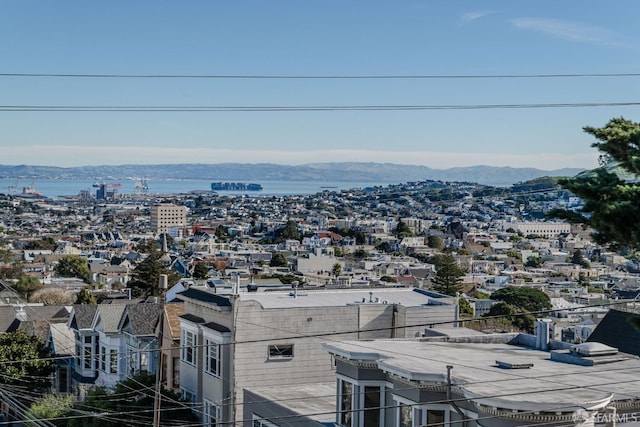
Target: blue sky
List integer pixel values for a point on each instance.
(306, 38)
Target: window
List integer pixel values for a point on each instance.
(103, 359)
(176, 372)
(345, 403)
(211, 414)
(87, 357)
(132, 362)
(281, 351)
(212, 358)
(188, 347)
(435, 418)
(404, 412)
(113, 361)
(144, 361)
(372, 407)
(261, 422)
(361, 404)
(187, 395)
(431, 415)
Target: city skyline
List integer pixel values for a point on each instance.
(481, 77)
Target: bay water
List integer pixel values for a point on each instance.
(67, 187)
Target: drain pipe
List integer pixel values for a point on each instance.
(463, 417)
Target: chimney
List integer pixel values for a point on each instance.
(235, 290)
(543, 334)
(163, 282)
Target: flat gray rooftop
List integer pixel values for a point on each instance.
(546, 383)
(318, 399)
(339, 297)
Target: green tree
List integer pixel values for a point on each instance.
(148, 246)
(403, 230)
(85, 296)
(578, 259)
(26, 285)
(73, 266)
(448, 279)
(278, 260)
(130, 396)
(533, 262)
(288, 232)
(384, 247)
(435, 242)
(50, 407)
(146, 276)
(221, 232)
(465, 307)
(46, 243)
(200, 271)
(519, 319)
(523, 297)
(25, 361)
(611, 193)
(360, 254)
(336, 270)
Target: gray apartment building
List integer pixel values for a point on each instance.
(234, 343)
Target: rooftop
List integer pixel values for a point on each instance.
(318, 399)
(407, 297)
(543, 385)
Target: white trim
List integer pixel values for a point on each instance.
(263, 422)
(193, 346)
(358, 399)
(207, 347)
(207, 413)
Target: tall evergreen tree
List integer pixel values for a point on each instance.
(448, 279)
(146, 276)
(611, 193)
(73, 266)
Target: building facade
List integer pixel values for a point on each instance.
(165, 216)
(493, 380)
(230, 344)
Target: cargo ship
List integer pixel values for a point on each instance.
(235, 186)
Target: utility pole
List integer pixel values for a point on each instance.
(157, 402)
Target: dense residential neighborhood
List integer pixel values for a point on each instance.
(425, 303)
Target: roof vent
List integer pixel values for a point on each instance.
(507, 365)
(593, 349)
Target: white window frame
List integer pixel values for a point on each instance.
(258, 421)
(271, 356)
(212, 414)
(212, 346)
(113, 360)
(103, 359)
(397, 401)
(88, 353)
(186, 333)
(358, 400)
(187, 395)
(419, 412)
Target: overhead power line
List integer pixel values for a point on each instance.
(319, 77)
(192, 109)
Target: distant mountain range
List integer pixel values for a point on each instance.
(383, 173)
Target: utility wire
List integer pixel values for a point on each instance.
(321, 77)
(196, 109)
(352, 331)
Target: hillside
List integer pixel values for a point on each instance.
(347, 172)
